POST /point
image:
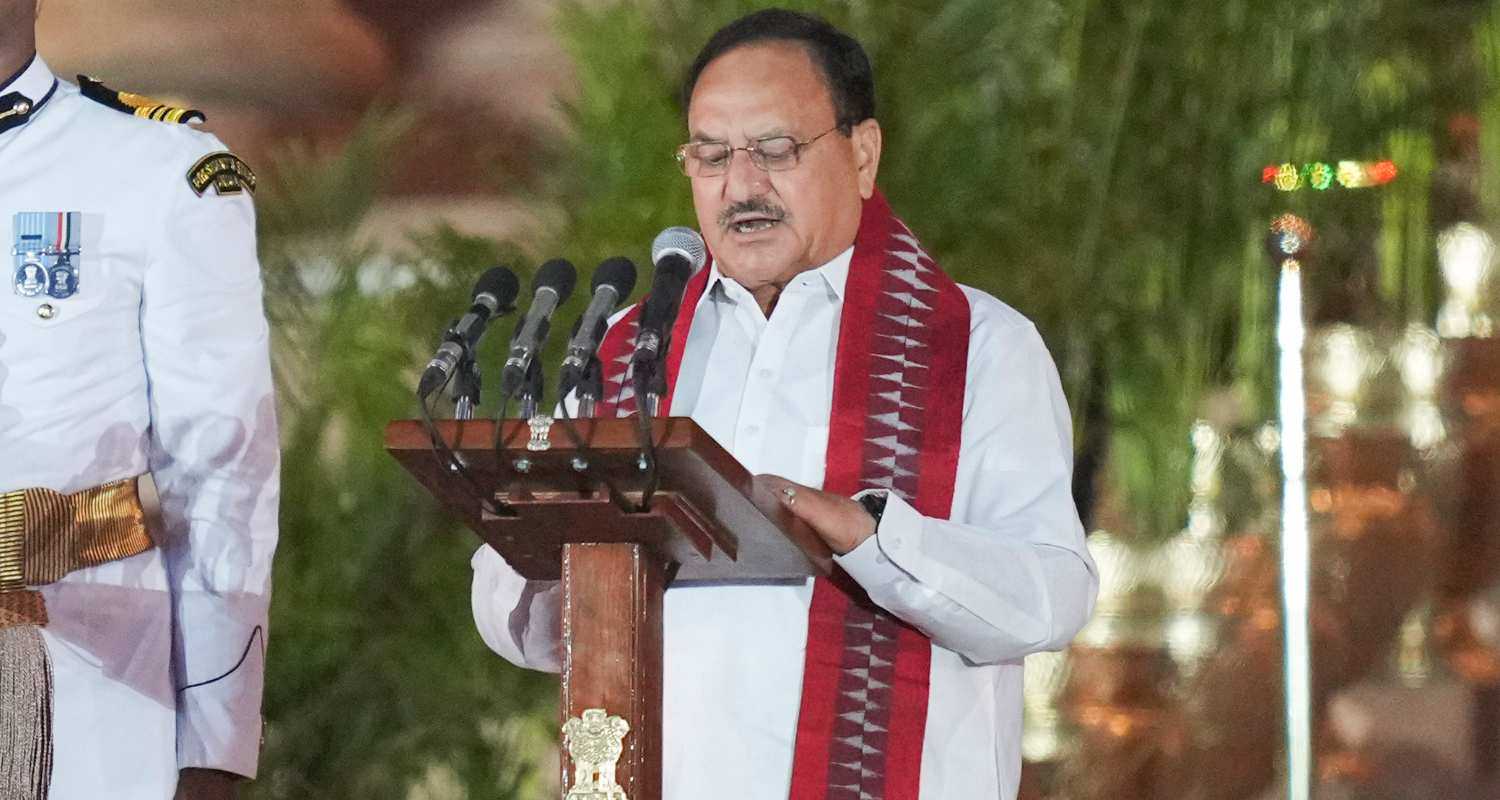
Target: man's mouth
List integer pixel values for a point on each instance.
(748, 217)
(753, 224)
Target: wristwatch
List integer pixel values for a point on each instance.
(874, 503)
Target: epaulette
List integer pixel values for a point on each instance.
(138, 105)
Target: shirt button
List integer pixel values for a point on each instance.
(751, 430)
(46, 311)
(766, 374)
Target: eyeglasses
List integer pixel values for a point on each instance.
(772, 154)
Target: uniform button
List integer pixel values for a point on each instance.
(46, 311)
(751, 430)
(766, 374)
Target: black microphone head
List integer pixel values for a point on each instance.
(501, 284)
(680, 241)
(557, 275)
(618, 272)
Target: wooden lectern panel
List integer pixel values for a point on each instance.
(710, 516)
(557, 519)
(612, 652)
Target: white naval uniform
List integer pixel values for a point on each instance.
(157, 364)
(1009, 575)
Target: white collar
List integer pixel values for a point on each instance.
(835, 274)
(34, 81)
(28, 89)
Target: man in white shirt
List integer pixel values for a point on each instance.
(823, 344)
(132, 341)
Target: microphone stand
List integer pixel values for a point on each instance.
(456, 464)
(649, 388)
(466, 386)
(590, 387)
(531, 389)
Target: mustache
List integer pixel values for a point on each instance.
(759, 207)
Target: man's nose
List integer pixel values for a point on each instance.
(744, 180)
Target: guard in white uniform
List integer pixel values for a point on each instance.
(132, 342)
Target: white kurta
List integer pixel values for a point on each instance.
(1007, 576)
(158, 363)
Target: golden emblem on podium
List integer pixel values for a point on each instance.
(541, 433)
(595, 742)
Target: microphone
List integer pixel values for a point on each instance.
(554, 282)
(677, 252)
(494, 295)
(613, 281)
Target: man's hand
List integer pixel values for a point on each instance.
(207, 784)
(842, 523)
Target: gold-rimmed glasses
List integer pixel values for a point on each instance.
(772, 154)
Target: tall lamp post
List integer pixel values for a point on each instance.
(1288, 244)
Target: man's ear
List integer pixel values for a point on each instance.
(867, 143)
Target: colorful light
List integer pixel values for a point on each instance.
(1351, 175)
(1290, 237)
(1288, 179)
(1320, 176)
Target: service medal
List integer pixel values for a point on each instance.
(46, 253)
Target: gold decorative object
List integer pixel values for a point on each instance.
(1045, 734)
(1466, 254)
(1342, 361)
(1470, 564)
(595, 742)
(1192, 563)
(1174, 689)
(1414, 663)
(1129, 606)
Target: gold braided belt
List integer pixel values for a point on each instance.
(44, 535)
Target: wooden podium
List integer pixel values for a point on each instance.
(709, 518)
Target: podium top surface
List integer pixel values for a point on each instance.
(709, 516)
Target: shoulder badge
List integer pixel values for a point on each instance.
(138, 105)
(224, 171)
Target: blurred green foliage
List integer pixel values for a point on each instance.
(377, 680)
(1094, 163)
(1097, 166)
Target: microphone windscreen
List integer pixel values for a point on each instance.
(500, 283)
(681, 241)
(618, 272)
(558, 275)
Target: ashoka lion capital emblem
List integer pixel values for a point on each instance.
(595, 742)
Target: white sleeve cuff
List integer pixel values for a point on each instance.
(219, 672)
(872, 564)
(219, 721)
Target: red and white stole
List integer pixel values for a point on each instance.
(898, 392)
